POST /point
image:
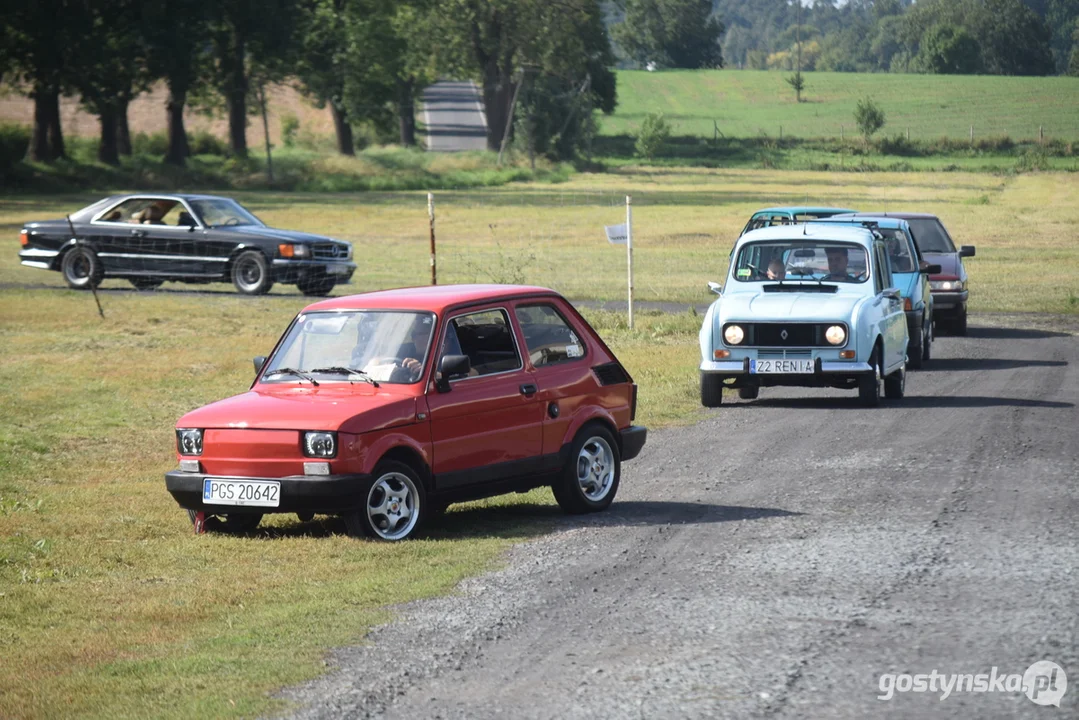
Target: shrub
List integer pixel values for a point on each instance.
(149, 144)
(14, 140)
(653, 135)
(204, 142)
(869, 117)
(290, 125)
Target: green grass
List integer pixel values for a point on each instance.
(111, 607)
(748, 103)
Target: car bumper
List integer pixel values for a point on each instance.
(323, 494)
(826, 373)
(632, 440)
(290, 271)
(950, 303)
(38, 258)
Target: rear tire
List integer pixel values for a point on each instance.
(869, 384)
(251, 273)
(317, 286)
(590, 479)
(749, 393)
(711, 390)
(82, 268)
(145, 283)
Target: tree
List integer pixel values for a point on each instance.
(1073, 64)
(949, 50)
(797, 82)
(868, 117)
(671, 33)
(653, 135)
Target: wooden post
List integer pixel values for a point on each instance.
(266, 131)
(840, 132)
(1041, 134)
(780, 132)
(629, 253)
(431, 216)
(908, 133)
(971, 134)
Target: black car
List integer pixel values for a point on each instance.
(149, 239)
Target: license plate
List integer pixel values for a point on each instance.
(338, 269)
(258, 493)
(775, 367)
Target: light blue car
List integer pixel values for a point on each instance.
(810, 305)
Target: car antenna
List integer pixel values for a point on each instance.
(93, 285)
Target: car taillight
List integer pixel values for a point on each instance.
(24, 238)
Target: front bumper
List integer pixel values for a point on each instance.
(632, 440)
(826, 373)
(323, 494)
(287, 270)
(949, 303)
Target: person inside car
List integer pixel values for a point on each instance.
(776, 270)
(837, 265)
(410, 354)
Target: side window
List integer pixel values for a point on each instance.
(548, 336)
(485, 337)
(884, 275)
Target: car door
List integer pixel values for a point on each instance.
(486, 426)
(893, 319)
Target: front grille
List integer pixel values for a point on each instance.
(785, 354)
(611, 373)
(329, 251)
(786, 335)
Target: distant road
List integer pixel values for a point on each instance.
(454, 117)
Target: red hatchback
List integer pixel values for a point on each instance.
(386, 407)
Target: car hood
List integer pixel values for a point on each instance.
(781, 306)
(949, 263)
(352, 408)
(275, 234)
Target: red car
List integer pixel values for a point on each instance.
(385, 407)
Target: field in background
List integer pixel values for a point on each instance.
(747, 103)
(111, 607)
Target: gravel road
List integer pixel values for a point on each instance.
(774, 559)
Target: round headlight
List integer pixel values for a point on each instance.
(734, 334)
(320, 444)
(189, 441)
(836, 334)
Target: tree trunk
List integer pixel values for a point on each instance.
(106, 150)
(178, 149)
(497, 96)
(343, 130)
(55, 134)
(236, 96)
(123, 131)
(38, 151)
(406, 111)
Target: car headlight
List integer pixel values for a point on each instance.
(320, 444)
(836, 334)
(189, 441)
(734, 334)
(946, 285)
(348, 256)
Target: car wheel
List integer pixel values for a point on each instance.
(590, 480)
(146, 283)
(960, 326)
(895, 384)
(251, 273)
(749, 393)
(319, 286)
(916, 353)
(81, 268)
(394, 504)
(928, 344)
(711, 390)
(869, 383)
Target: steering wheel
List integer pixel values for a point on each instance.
(232, 221)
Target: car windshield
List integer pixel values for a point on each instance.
(930, 236)
(222, 211)
(794, 260)
(386, 346)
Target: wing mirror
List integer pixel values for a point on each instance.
(716, 288)
(259, 362)
(450, 367)
(966, 251)
(892, 293)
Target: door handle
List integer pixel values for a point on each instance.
(529, 389)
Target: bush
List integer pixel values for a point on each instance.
(653, 135)
(206, 143)
(14, 140)
(146, 144)
(869, 117)
(290, 125)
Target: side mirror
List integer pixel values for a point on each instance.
(716, 288)
(966, 251)
(450, 367)
(892, 293)
(259, 362)
(192, 227)
(931, 270)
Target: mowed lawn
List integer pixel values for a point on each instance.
(746, 103)
(110, 606)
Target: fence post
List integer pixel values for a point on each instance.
(1041, 134)
(629, 254)
(431, 215)
(841, 132)
(971, 134)
(908, 133)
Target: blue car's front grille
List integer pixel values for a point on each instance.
(784, 354)
(786, 335)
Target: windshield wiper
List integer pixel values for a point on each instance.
(340, 370)
(292, 371)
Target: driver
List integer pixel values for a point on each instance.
(776, 270)
(410, 354)
(837, 265)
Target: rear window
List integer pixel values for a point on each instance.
(930, 236)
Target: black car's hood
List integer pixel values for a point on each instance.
(949, 264)
(274, 233)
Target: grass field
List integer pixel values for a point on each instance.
(111, 607)
(747, 103)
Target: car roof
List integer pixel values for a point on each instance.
(803, 209)
(434, 298)
(880, 220)
(901, 215)
(810, 231)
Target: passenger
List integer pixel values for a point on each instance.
(776, 270)
(837, 265)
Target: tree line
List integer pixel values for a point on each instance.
(548, 61)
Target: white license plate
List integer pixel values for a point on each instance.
(258, 493)
(776, 367)
(338, 269)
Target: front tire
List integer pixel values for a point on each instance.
(82, 268)
(590, 479)
(928, 344)
(251, 273)
(749, 393)
(317, 286)
(869, 384)
(895, 384)
(395, 504)
(711, 390)
(960, 325)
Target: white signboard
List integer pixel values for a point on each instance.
(616, 234)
